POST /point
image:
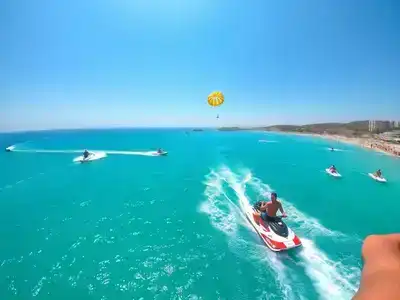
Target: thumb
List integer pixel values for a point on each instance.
(384, 249)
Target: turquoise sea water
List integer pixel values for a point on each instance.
(136, 226)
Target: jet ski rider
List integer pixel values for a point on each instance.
(86, 154)
(159, 151)
(333, 169)
(269, 209)
(378, 173)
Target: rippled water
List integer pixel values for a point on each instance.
(136, 226)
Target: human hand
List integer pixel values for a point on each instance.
(381, 272)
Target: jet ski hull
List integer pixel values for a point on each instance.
(379, 179)
(160, 154)
(91, 157)
(334, 174)
(272, 240)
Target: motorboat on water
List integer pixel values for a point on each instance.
(274, 232)
(9, 149)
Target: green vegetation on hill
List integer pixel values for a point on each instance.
(351, 129)
(230, 128)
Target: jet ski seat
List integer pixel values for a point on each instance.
(278, 226)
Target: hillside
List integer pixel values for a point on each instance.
(351, 129)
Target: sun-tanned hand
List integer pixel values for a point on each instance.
(380, 278)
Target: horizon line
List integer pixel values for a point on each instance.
(176, 127)
(107, 128)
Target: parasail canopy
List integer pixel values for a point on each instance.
(216, 98)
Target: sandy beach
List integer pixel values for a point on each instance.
(368, 143)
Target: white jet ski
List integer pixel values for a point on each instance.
(334, 174)
(380, 179)
(92, 156)
(9, 149)
(162, 153)
(275, 233)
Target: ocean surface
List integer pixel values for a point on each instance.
(136, 226)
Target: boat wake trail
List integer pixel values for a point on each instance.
(116, 152)
(227, 193)
(335, 150)
(47, 151)
(266, 141)
(142, 153)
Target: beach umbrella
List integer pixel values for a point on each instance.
(216, 99)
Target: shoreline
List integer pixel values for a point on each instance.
(371, 143)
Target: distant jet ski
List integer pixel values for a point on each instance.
(333, 172)
(90, 156)
(377, 176)
(161, 152)
(9, 149)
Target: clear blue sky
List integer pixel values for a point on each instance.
(100, 63)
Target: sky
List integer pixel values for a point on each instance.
(112, 63)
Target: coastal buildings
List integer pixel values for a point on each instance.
(391, 136)
(382, 126)
(371, 125)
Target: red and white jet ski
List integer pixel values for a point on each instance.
(275, 233)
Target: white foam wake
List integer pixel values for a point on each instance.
(335, 149)
(142, 153)
(331, 279)
(47, 151)
(227, 216)
(116, 152)
(308, 226)
(222, 210)
(226, 196)
(266, 141)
